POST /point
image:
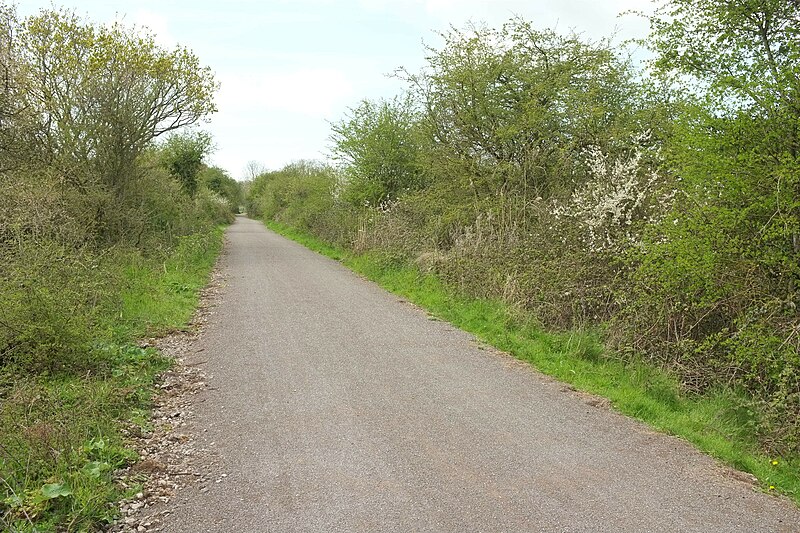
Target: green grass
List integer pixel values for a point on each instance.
(160, 298)
(719, 423)
(61, 433)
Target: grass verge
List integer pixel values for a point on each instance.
(61, 433)
(719, 423)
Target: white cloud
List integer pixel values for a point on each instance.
(314, 92)
(594, 19)
(156, 23)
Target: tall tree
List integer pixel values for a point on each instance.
(103, 93)
(719, 279)
(742, 60)
(511, 106)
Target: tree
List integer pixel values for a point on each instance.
(103, 93)
(510, 108)
(718, 282)
(18, 145)
(740, 149)
(182, 155)
(218, 181)
(253, 169)
(377, 144)
(744, 52)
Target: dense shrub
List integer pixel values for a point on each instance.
(304, 195)
(77, 203)
(52, 296)
(217, 180)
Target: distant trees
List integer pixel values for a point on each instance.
(253, 169)
(218, 181)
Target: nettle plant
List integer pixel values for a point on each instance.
(622, 195)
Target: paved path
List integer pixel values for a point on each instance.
(335, 407)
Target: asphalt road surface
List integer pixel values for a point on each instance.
(336, 407)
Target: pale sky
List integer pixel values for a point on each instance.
(289, 67)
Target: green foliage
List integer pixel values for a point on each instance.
(60, 442)
(52, 300)
(218, 181)
(60, 430)
(214, 207)
(161, 293)
(302, 194)
(715, 290)
(182, 155)
(102, 93)
(378, 145)
(740, 53)
(510, 109)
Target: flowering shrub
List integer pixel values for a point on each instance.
(620, 198)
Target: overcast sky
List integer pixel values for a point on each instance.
(288, 67)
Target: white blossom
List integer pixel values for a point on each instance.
(619, 194)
